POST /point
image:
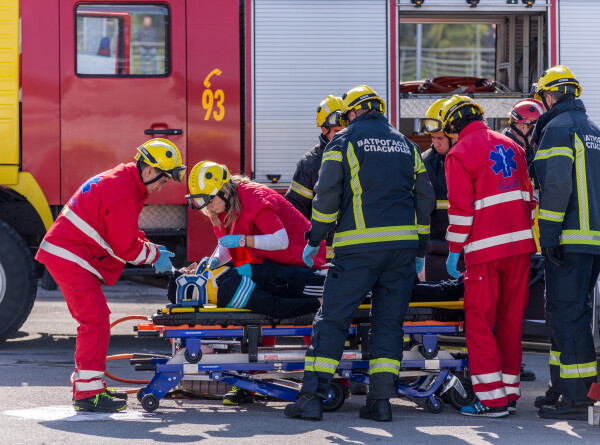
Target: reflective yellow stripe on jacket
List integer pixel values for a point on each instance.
(374, 235)
(359, 219)
(301, 190)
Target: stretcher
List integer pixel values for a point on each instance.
(429, 375)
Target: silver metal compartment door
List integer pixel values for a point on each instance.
(579, 35)
(304, 50)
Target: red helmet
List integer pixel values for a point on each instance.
(526, 111)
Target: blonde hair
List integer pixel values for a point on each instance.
(229, 189)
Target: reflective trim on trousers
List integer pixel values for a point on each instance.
(578, 370)
(554, 358)
(320, 364)
(511, 379)
(491, 395)
(384, 365)
(482, 379)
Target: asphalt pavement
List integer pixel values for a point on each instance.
(35, 398)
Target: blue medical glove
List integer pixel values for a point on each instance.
(230, 241)
(309, 253)
(451, 263)
(419, 262)
(214, 263)
(163, 263)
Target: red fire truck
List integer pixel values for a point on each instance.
(83, 83)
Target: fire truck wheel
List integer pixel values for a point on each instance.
(18, 285)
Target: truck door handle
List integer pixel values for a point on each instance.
(169, 131)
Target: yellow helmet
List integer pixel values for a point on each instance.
(458, 107)
(432, 122)
(360, 97)
(328, 112)
(205, 182)
(558, 78)
(163, 155)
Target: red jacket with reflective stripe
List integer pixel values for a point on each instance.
(490, 195)
(98, 228)
(265, 211)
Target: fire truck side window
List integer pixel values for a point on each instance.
(122, 40)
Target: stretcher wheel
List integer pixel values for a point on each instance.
(428, 355)
(191, 358)
(457, 401)
(150, 402)
(337, 397)
(433, 409)
(139, 393)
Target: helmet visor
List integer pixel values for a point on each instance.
(333, 120)
(198, 202)
(177, 174)
(429, 125)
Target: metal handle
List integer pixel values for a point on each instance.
(169, 131)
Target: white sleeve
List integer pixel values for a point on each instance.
(275, 241)
(223, 255)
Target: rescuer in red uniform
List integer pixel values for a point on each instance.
(253, 223)
(88, 245)
(490, 215)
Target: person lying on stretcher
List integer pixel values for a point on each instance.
(282, 291)
(272, 289)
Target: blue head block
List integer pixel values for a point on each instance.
(196, 281)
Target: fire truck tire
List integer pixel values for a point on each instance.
(18, 284)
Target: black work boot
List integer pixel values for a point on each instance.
(548, 399)
(116, 394)
(306, 406)
(376, 409)
(526, 375)
(564, 411)
(101, 403)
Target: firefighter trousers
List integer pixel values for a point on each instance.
(569, 310)
(496, 294)
(390, 275)
(87, 305)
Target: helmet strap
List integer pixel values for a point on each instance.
(227, 199)
(544, 101)
(152, 181)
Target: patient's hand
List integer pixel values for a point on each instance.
(189, 270)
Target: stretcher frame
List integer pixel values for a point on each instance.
(265, 372)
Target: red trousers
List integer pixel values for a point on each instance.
(496, 294)
(87, 305)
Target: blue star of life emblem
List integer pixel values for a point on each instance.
(503, 161)
(87, 186)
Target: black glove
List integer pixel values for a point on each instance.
(553, 254)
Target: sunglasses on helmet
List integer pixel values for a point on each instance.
(198, 202)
